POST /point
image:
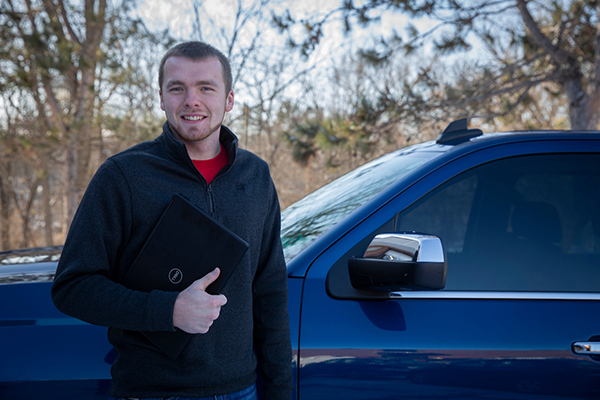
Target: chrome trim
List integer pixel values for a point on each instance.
(26, 273)
(26, 278)
(587, 348)
(494, 295)
(406, 247)
(30, 256)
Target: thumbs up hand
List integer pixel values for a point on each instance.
(195, 310)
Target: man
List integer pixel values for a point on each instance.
(244, 327)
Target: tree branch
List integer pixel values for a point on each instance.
(527, 85)
(560, 56)
(95, 24)
(52, 11)
(56, 116)
(67, 23)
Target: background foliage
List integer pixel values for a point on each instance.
(319, 91)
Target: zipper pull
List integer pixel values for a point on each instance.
(210, 200)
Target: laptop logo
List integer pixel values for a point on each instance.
(175, 276)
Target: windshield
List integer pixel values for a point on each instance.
(306, 220)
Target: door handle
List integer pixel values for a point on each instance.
(587, 348)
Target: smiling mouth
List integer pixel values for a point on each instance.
(192, 117)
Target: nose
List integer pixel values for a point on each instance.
(192, 99)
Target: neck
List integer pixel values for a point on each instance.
(204, 150)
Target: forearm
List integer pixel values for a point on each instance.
(98, 300)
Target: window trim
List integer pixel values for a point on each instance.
(479, 295)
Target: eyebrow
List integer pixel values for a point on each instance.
(209, 82)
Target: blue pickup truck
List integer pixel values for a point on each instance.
(465, 267)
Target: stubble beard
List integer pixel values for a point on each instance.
(196, 135)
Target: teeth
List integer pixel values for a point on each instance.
(193, 118)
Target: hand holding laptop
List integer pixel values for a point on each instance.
(195, 310)
(185, 250)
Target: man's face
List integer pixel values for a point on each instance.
(193, 98)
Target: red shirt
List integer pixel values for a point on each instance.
(210, 168)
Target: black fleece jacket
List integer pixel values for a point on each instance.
(122, 203)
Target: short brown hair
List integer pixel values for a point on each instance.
(197, 51)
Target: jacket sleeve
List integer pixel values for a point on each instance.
(271, 319)
(84, 285)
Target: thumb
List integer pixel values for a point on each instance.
(207, 279)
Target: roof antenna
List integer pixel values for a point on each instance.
(457, 132)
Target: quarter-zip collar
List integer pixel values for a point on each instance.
(177, 150)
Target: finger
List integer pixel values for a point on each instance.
(207, 279)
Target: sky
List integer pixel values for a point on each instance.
(179, 16)
(217, 15)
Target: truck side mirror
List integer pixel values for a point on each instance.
(396, 261)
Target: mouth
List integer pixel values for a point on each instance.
(192, 117)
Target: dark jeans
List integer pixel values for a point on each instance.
(246, 394)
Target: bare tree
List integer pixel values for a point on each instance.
(74, 79)
(58, 53)
(528, 43)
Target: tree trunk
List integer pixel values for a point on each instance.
(46, 199)
(583, 112)
(579, 112)
(25, 211)
(4, 216)
(72, 195)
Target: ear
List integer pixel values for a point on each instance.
(162, 104)
(229, 101)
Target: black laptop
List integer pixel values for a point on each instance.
(184, 245)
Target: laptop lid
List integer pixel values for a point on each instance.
(184, 245)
